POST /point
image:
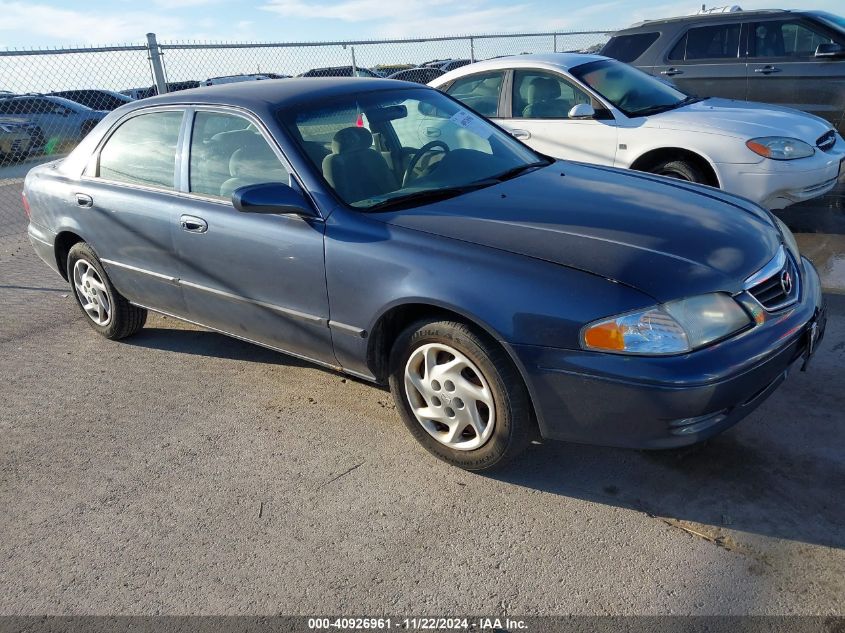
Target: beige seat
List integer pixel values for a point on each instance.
(253, 163)
(545, 101)
(355, 169)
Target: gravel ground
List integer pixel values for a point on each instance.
(183, 472)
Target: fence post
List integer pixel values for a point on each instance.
(155, 61)
(472, 49)
(555, 43)
(354, 65)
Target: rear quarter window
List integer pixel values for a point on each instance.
(627, 48)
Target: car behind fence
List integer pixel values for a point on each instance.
(51, 98)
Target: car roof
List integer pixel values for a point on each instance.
(555, 60)
(706, 17)
(277, 92)
(48, 97)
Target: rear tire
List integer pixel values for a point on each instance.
(106, 310)
(680, 169)
(460, 395)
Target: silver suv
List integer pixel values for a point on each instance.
(790, 58)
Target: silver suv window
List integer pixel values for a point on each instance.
(784, 38)
(720, 41)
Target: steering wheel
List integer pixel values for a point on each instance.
(425, 149)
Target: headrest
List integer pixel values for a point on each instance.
(351, 139)
(252, 157)
(543, 89)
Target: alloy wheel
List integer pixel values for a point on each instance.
(92, 293)
(450, 397)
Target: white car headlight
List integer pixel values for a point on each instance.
(789, 238)
(780, 147)
(671, 328)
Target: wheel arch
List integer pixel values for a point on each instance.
(396, 317)
(62, 244)
(653, 156)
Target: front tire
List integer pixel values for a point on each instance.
(105, 309)
(460, 395)
(681, 170)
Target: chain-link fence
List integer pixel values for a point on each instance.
(49, 99)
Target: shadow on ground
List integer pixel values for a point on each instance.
(770, 475)
(211, 344)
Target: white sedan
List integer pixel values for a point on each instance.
(594, 109)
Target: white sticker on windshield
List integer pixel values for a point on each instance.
(472, 124)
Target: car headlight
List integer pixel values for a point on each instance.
(780, 147)
(671, 328)
(789, 239)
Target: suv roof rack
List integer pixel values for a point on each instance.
(704, 13)
(731, 8)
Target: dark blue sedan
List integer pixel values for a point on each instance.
(384, 230)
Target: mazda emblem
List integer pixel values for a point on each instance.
(786, 282)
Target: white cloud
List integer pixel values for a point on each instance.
(77, 27)
(407, 18)
(183, 4)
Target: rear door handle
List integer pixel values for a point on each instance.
(671, 72)
(521, 134)
(767, 70)
(84, 200)
(193, 224)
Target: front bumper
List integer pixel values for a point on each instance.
(778, 184)
(665, 402)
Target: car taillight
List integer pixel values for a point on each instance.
(26, 208)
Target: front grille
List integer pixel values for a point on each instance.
(826, 141)
(779, 288)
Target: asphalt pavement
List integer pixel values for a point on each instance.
(183, 472)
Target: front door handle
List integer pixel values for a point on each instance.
(767, 70)
(193, 224)
(521, 134)
(84, 200)
(671, 72)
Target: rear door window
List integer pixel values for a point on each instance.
(142, 151)
(479, 92)
(627, 48)
(720, 41)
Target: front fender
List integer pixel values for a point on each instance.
(373, 267)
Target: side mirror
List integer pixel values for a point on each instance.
(830, 49)
(273, 198)
(582, 111)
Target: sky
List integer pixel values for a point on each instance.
(38, 23)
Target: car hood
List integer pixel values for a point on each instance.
(665, 238)
(742, 119)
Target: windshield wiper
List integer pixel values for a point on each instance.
(429, 195)
(515, 171)
(657, 109)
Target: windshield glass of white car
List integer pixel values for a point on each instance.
(634, 92)
(401, 147)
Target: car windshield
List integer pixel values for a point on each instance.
(836, 21)
(396, 148)
(634, 92)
